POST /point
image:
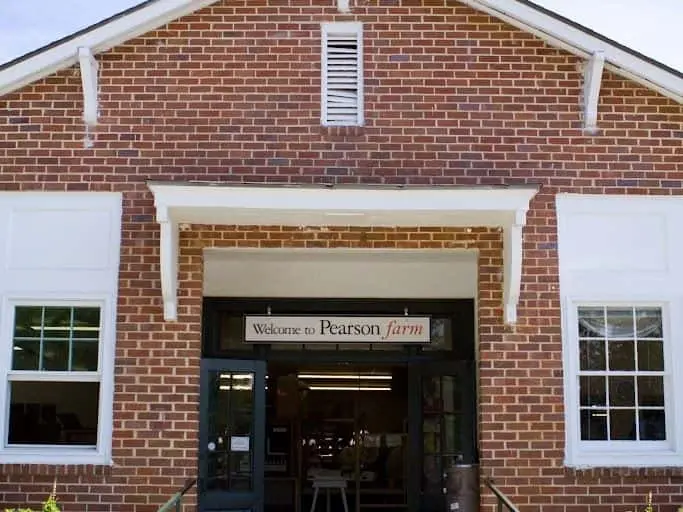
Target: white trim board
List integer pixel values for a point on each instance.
(550, 29)
(178, 204)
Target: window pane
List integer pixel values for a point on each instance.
(55, 355)
(86, 322)
(44, 338)
(25, 354)
(431, 432)
(593, 425)
(591, 322)
(650, 356)
(652, 425)
(619, 323)
(441, 335)
(452, 431)
(622, 355)
(84, 355)
(592, 391)
(27, 322)
(622, 392)
(592, 355)
(622, 425)
(53, 413)
(649, 322)
(651, 391)
(57, 322)
(450, 394)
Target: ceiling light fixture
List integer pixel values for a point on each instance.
(349, 388)
(65, 328)
(345, 376)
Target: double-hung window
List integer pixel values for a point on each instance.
(58, 384)
(620, 393)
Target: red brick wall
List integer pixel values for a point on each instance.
(232, 94)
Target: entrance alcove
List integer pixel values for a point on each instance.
(250, 453)
(359, 410)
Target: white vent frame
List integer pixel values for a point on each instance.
(348, 30)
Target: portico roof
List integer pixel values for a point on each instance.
(202, 203)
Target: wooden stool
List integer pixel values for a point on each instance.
(329, 484)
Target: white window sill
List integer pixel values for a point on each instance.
(652, 459)
(54, 456)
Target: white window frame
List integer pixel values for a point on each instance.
(101, 454)
(341, 28)
(589, 454)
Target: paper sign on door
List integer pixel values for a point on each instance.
(239, 443)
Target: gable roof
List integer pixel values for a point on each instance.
(549, 25)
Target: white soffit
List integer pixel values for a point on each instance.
(178, 204)
(386, 273)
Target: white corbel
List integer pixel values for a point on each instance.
(168, 254)
(89, 68)
(592, 78)
(512, 266)
(343, 6)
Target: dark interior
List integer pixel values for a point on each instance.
(386, 421)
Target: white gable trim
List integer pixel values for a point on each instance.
(140, 21)
(117, 31)
(504, 208)
(574, 40)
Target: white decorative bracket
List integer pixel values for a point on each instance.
(89, 68)
(512, 266)
(592, 78)
(168, 254)
(343, 6)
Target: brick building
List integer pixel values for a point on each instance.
(283, 245)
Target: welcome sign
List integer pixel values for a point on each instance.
(336, 329)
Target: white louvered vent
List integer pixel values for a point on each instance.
(342, 74)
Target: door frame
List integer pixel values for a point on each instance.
(465, 373)
(227, 500)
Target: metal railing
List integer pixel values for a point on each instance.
(503, 503)
(176, 502)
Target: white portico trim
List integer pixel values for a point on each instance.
(178, 204)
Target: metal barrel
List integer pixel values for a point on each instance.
(462, 488)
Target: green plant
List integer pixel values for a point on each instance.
(49, 505)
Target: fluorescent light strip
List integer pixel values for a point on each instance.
(349, 388)
(238, 387)
(344, 376)
(65, 328)
(237, 376)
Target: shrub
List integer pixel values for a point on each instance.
(49, 505)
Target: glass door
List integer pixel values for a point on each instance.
(231, 437)
(448, 419)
